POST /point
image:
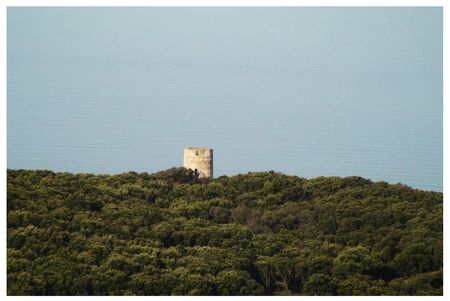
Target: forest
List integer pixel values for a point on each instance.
(260, 233)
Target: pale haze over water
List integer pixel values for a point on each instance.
(304, 91)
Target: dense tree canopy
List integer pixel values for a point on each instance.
(255, 234)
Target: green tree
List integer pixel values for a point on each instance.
(320, 285)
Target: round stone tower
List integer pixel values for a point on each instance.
(200, 160)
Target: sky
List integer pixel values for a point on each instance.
(304, 91)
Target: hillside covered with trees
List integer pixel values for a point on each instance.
(255, 234)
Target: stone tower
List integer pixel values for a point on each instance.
(200, 160)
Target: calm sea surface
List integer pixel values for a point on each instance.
(305, 91)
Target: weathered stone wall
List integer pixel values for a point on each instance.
(200, 160)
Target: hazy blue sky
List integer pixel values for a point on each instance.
(305, 91)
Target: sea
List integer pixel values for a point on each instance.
(303, 91)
